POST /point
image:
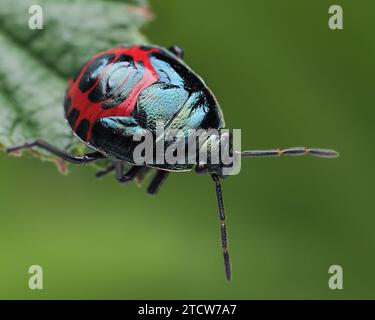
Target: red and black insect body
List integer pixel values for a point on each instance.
(124, 92)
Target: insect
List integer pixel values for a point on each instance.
(122, 92)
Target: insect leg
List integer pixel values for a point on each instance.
(129, 175)
(157, 181)
(105, 171)
(201, 169)
(86, 158)
(223, 229)
(298, 151)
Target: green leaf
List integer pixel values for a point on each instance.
(35, 64)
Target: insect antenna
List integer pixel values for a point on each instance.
(223, 229)
(297, 151)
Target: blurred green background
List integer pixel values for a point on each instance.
(286, 80)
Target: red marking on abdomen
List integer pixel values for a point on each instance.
(93, 111)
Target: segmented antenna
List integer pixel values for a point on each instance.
(297, 151)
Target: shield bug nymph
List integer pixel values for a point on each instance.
(123, 92)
